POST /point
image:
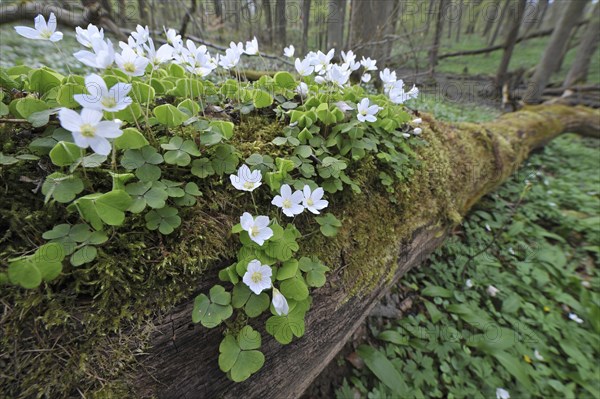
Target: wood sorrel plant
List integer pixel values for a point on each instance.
(139, 137)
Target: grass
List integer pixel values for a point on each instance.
(536, 240)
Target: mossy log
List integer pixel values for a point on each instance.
(379, 242)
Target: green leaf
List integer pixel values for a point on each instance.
(66, 93)
(169, 115)
(131, 139)
(84, 255)
(294, 288)
(65, 154)
(435, 291)
(285, 80)
(202, 168)
(142, 92)
(146, 193)
(166, 220)
(383, 369)
(257, 304)
(224, 128)
(106, 208)
(285, 328)
(219, 296)
(180, 151)
(287, 270)
(225, 161)
(240, 364)
(208, 313)
(62, 188)
(24, 273)
(261, 99)
(329, 225)
(43, 79)
(513, 365)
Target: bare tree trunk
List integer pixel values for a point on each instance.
(543, 10)
(429, 11)
(587, 48)
(269, 22)
(305, 24)
(335, 23)
(142, 8)
(489, 20)
(459, 21)
(551, 55)
(186, 18)
(511, 40)
(435, 47)
(371, 23)
(569, 44)
(281, 22)
(218, 9)
(182, 359)
(503, 13)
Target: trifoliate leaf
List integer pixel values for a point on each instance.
(62, 188)
(166, 220)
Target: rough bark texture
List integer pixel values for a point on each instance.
(587, 48)
(473, 160)
(439, 25)
(510, 42)
(335, 24)
(371, 21)
(551, 56)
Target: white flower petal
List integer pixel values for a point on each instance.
(52, 22)
(27, 32)
(247, 221)
(100, 145)
(109, 129)
(69, 119)
(40, 23)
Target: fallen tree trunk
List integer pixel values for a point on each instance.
(463, 162)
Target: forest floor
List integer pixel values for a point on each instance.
(537, 240)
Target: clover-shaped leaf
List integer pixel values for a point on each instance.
(210, 312)
(169, 115)
(287, 270)
(146, 193)
(191, 191)
(202, 168)
(294, 288)
(282, 248)
(238, 356)
(131, 139)
(45, 264)
(179, 151)
(106, 208)
(253, 304)
(64, 153)
(315, 272)
(284, 328)
(144, 161)
(329, 224)
(225, 159)
(166, 220)
(62, 188)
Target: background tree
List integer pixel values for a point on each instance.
(589, 44)
(371, 23)
(335, 23)
(553, 51)
(281, 22)
(439, 26)
(305, 24)
(510, 42)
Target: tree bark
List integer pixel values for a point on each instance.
(371, 22)
(511, 41)
(490, 21)
(305, 24)
(335, 24)
(280, 23)
(143, 11)
(541, 15)
(551, 55)
(437, 36)
(182, 362)
(503, 12)
(186, 18)
(266, 4)
(589, 44)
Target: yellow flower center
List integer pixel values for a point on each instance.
(46, 34)
(88, 130)
(108, 102)
(254, 231)
(287, 203)
(129, 67)
(310, 202)
(256, 277)
(248, 185)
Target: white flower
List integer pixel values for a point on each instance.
(313, 200)
(368, 64)
(258, 277)
(246, 180)
(87, 36)
(511, 251)
(87, 129)
(417, 121)
(302, 89)
(338, 75)
(131, 63)
(141, 34)
(322, 61)
(406, 135)
(366, 78)
(487, 227)
(492, 291)
(343, 106)
(417, 131)
(469, 283)
(388, 78)
(288, 202)
(289, 51)
(366, 112)
(502, 393)
(237, 48)
(280, 303)
(304, 67)
(42, 31)
(160, 56)
(258, 228)
(230, 59)
(252, 47)
(537, 355)
(397, 94)
(100, 98)
(102, 56)
(173, 38)
(575, 318)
